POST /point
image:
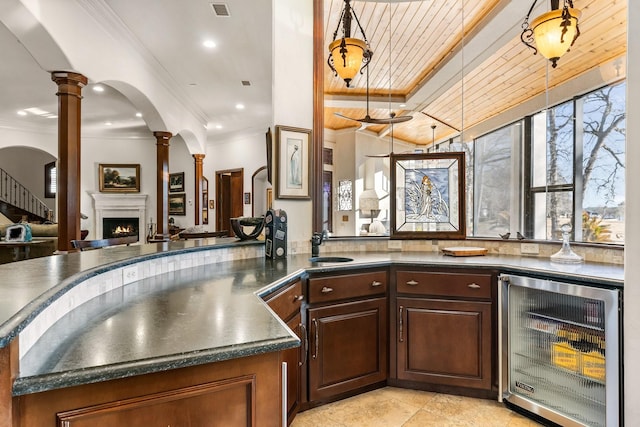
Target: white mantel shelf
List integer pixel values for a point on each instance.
(120, 205)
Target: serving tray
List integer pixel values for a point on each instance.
(464, 251)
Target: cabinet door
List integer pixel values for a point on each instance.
(295, 359)
(348, 347)
(444, 342)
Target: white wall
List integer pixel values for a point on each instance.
(180, 160)
(293, 92)
(120, 151)
(632, 226)
(248, 152)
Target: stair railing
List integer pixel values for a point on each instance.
(16, 194)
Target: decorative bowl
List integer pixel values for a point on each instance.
(238, 226)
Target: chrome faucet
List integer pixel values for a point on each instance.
(316, 241)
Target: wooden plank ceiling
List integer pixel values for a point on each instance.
(424, 33)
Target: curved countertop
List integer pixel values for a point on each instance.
(192, 316)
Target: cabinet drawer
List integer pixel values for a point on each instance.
(287, 302)
(333, 288)
(465, 285)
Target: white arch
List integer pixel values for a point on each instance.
(65, 36)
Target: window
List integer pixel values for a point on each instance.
(573, 172)
(50, 180)
(552, 172)
(497, 182)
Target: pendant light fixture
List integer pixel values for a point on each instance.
(367, 119)
(348, 55)
(553, 32)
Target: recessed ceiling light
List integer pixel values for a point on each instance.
(240, 106)
(98, 88)
(108, 123)
(209, 44)
(218, 126)
(22, 113)
(402, 105)
(138, 114)
(36, 111)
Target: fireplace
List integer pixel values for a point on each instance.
(117, 207)
(120, 227)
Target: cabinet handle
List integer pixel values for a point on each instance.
(473, 286)
(412, 283)
(400, 320)
(375, 284)
(305, 343)
(315, 326)
(297, 298)
(326, 290)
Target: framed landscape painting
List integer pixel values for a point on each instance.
(427, 197)
(176, 182)
(177, 204)
(119, 178)
(293, 163)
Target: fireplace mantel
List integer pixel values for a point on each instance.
(116, 205)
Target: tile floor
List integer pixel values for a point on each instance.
(395, 407)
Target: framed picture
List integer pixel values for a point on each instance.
(293, 163)
(177, 204)
(427, 200)
(247, 198)
(117, 178)
(176, 182)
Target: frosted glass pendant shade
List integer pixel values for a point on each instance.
(547, 32)
(347, 66)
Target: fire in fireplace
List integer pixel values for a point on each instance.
(119, 227)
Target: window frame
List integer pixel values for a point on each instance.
(49, 170)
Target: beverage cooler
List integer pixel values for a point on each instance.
(560, 350)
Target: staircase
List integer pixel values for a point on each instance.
(17, 202)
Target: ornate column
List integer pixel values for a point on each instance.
(162, 196)
(68, 166)
(198, 188)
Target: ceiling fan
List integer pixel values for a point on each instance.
(367, 119)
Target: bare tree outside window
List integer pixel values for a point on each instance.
(603, 165)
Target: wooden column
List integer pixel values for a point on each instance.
(162, 197)
(198, 188)
(68, 167)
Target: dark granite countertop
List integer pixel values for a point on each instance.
(193, 316)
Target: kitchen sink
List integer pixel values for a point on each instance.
(330, 259)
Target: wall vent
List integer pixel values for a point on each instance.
(220, 9)
(246, 83)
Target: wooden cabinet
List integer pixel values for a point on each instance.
(286, 303)
(444, 328)
(347, 322)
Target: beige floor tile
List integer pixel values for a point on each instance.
(395, 407)
(370, 411)
(428, 419)
(416, 398)
(314, 418)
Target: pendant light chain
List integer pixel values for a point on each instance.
(462, 77)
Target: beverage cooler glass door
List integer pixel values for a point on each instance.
(560, 348)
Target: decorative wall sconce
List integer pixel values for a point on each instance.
(553, 32)
(347, 55)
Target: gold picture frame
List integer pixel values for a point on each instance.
(119, 178)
